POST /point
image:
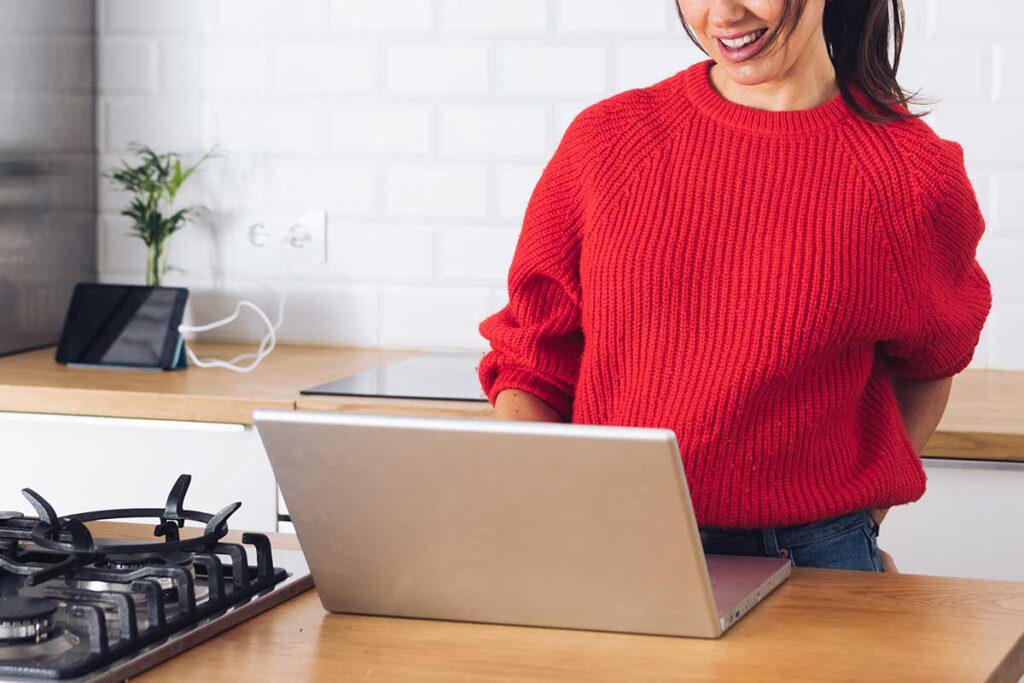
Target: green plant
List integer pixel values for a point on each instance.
(154, 183)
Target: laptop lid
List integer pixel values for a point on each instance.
(543, 524)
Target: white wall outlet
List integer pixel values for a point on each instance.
(303, 237)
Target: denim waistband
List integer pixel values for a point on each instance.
(799, 533)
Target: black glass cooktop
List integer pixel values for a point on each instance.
(441, 375)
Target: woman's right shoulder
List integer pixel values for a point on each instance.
(622, 108)
(623, 118)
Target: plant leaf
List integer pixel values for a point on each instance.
(154, 182)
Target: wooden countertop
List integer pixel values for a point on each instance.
(35, 382)
(821, 624)
(984, 419)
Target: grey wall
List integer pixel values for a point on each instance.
(47, 165)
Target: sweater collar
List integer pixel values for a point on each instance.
(701, 91)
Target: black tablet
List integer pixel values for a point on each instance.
(123, 325)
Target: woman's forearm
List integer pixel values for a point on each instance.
(513, 404)
(922, 405)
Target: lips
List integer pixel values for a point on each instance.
(740, 34)
(744, 51)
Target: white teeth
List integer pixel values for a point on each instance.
(735, 43)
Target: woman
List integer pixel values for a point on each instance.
(770, 255)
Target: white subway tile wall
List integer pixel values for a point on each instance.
(422, 126)
(373, 15)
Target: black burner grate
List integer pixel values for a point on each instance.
(72, 603)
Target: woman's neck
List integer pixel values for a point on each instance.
(808, 83)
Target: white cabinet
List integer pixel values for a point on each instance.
(284, 523)
(969, 523)
(87, 463)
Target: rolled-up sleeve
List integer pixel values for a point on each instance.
(537, 338)
(950, 295)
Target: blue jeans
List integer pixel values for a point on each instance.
(846, 542)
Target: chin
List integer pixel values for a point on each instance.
(751, 72)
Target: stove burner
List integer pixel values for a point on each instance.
(16, 608)
(72, 604)
(26, 618)
(70, 535)
(130, 561)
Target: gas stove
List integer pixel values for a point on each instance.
(80, 608)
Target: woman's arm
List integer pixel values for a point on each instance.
(921, 405)
(537, 338)
(513, 404)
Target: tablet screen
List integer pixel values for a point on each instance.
(123, 325)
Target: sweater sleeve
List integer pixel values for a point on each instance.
(537, 338)
(950, 295)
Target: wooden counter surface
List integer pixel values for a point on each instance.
(820, 625)
(984, 419)
(35, 382)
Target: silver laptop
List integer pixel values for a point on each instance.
(528, 523)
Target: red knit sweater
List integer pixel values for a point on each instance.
(749, 279)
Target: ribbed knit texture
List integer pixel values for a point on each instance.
(749, 279)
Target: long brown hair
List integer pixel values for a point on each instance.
(857, 37)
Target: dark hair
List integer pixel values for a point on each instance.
(857, 37)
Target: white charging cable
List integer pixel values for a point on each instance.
(267, 344)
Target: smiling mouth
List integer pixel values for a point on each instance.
(745, 39)
(743, 45)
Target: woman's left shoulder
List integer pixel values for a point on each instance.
(911, 148)
(935, 162)
(916, 138)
